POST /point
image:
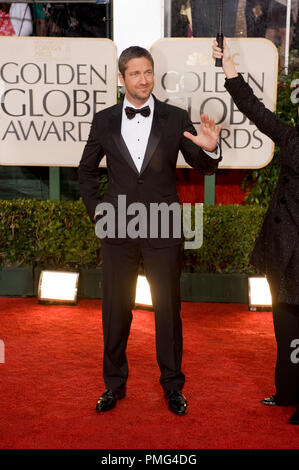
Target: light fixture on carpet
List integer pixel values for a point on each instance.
(143, 294)
(58, 287)
(259, 294)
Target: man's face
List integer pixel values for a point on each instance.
(138, 80)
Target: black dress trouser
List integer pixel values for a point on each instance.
(120, 270)
(286, 328)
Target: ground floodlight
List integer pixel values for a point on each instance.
(259, 294)
(143, 293)
(58, 287)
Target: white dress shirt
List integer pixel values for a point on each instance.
(136, 131)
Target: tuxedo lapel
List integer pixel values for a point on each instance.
(159, 120)
(115, 127)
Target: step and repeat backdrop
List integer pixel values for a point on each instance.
(50, 89)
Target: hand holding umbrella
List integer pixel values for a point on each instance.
(226, 59)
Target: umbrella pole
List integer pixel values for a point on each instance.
(219, 37)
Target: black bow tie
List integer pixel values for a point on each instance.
(131, 112)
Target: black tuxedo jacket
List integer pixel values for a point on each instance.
(156, 182)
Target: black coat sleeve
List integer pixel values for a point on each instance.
(88, 170)
(264, 119)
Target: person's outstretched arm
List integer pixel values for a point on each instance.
(246, 101)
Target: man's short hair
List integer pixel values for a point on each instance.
(133, 52)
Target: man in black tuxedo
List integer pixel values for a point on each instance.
(141, 151)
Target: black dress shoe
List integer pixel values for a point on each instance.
(294, 419)
(177, 402)
(270, 401)
(108, 400)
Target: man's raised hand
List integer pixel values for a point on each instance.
(208, 135)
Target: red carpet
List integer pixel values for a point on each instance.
(51, 379)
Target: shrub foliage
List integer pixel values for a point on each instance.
(60, 234)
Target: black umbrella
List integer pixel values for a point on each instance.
(219, 37)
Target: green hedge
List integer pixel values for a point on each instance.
(56, 234)
(228, 239)
(50, 233)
